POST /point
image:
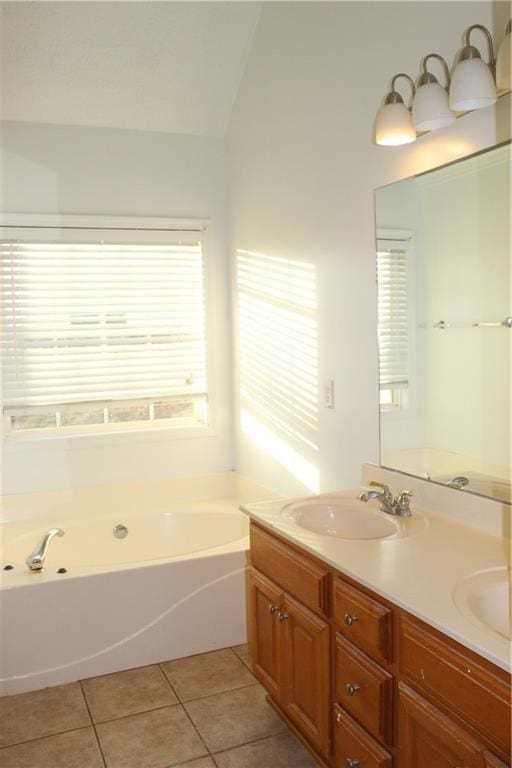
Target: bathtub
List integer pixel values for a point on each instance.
(174, 586)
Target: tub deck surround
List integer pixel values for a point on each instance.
(174, 586)
(152, 717)
(417, 573)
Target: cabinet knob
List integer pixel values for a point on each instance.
(352, 762)
(282, 616)
(273, 608)
(352, 688)
(349, 619)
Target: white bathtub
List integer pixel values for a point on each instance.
(174, 586)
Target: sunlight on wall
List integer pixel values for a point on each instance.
(278, 347)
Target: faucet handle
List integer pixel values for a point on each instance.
(402, 502)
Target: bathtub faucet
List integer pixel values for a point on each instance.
(35, 560)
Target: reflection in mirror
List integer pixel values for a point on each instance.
(444, 324)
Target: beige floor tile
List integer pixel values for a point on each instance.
(127, 693)
(75, 749)
(234, 718)
(155, 739)
(203, 762)
(282, 751)
(244, 653)
(207, 673)
(42, 713)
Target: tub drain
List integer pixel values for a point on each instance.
(120, 531)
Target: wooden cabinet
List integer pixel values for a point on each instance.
(364, 690)
(290, 650)
(354, 747)
(456, 680)
(428, 738)
(491, 761)
(265, 602)
(402, 694)
(362, 620)
(306, 661)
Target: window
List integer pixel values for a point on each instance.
(393, 321)
(101, 328)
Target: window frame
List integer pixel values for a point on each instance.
(140, 430)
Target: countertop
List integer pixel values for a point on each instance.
(418, 572)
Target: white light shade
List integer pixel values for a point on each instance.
(430, 108)
(504, 65)
(472, 86)
(394, 125)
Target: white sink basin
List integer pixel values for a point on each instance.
(484, 599)
(344, 516)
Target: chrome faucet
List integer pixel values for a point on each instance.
(392, 505)
(35, 560)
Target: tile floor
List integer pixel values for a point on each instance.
(205, 711)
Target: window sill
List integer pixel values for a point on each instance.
(125, 435)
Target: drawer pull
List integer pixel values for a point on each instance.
(273, 608)
(283, 616)
(349, 619)
(352, 688)
(352, 763)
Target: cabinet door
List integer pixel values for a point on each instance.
(428, 738)
(307, 665)
(266, 633)
(491, 761)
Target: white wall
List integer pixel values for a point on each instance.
(73, 170)
(302, 169)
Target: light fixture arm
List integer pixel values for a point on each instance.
(469, 49)
(394, 97)
(427, 77)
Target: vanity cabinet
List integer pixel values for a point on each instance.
(290, 649)
(428, 738)
(364, 683)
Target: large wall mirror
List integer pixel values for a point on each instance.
(445, 324)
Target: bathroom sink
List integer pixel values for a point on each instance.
(344, 516)
(484, 599)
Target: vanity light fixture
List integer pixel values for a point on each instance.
(393, 125)
(473, 85)
(504, 61)
(430, 108)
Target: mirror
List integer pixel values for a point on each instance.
(445, 324)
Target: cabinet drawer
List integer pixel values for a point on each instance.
(354, 747)
(364, 689)
(295, 573)
(363, 620)
(457, 681)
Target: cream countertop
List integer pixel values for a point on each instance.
(417, 572)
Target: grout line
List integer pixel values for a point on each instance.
(173, 689)
(246, 664)
(46, 736)
(93, 725)
(221, 693)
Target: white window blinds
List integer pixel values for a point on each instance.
(101, 315)
(393, 313)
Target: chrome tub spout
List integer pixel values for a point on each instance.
(35, 560)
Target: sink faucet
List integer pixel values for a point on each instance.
(35, 560)
(392, 505)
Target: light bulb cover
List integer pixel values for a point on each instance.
(504, 62)
(472, 86)
(393, 125)
(430, 109)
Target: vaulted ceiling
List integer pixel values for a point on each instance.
(159, 66)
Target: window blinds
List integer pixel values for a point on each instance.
(93, 315)
(393, 314)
